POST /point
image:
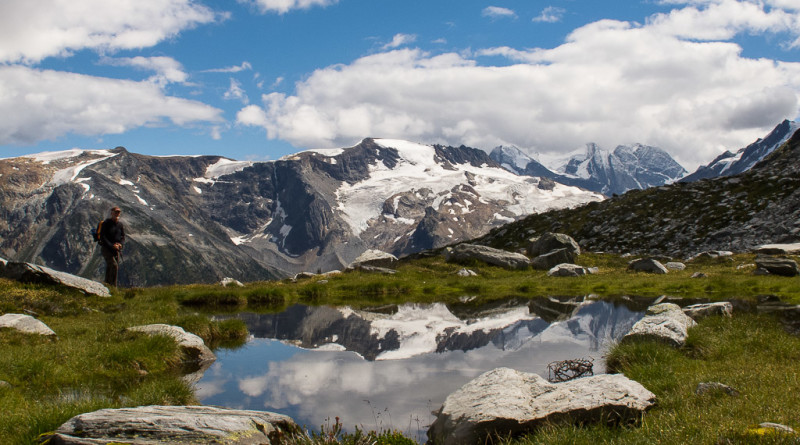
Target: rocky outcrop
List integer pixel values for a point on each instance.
(34, 273)
(778, 266)
(649, 265)
(506, 402)
(26, 324)
(175, 425)
(473, 252)
(192, 345)
(663, 322)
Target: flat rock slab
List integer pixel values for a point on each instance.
(504, 401)
(663, 322)
(25, 323)
(490, 255)
(778, 266)
(190, 343)
(174, 425)
(703, 310)
(776, 249)
(34, 273)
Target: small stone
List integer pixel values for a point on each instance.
(699, 275)
(26, 324)
(706, 387)
(228, 281)
(466, 273)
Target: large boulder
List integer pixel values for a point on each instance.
(663, 322)
(175, 425)
(373, 257)
(568, 270)
(550, 242)
(504, 401)
(551, 259)
(778, 249)
(191, 344)
(703, 310)
(34, 273)
(649, 265)
(490, 255)
(26, 324)
(778, 266)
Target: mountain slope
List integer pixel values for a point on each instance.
(736, 213)
(728, 163)
(198, 219)
(626, 168)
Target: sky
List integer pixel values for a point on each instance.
(260, 79)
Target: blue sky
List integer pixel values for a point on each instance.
(259, 79)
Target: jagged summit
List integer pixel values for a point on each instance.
(729, 163)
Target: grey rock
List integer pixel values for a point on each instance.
(4, 384)
(702, 310)
(760, 271)
(466, 273)
(175, 425)
(552, 259)
(699, 275)
(490, 255)
(711, 254)
(648, 265)
(707, 387)
(25, 323)
(375, 269)
(663, 322)
(778, 249)
(778, 266)
(504, 401)
(674, 265)
(568, 270)
(34, 273)
(550, 242)
(228, 281)
(373, 257)
(190, 343)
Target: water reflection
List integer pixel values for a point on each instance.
(390, 367)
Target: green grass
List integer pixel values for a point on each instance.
(95, 363)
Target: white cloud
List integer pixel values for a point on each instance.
(611, 82)
(400, 40)
(41, 104)
(550, 14)
(235, 92)
(284, 6)
(497, 12)
(168, 70)
(33, 30)
(231, 69)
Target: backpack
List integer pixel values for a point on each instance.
(96, 232)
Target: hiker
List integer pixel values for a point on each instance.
(112, 237)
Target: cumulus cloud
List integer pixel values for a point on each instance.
(682, 87)
(43, 104)
(31, 31)
(231, 69)
(497, 12)
(400, 40)
(284, 6)
(550, 14)
(168, 70)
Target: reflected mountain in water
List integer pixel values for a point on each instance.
(399, 332)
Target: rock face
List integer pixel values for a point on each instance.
(504, 401)
(34, 273)
(191, 344)
(663, 322)
(175, 425)
(497, 257)
(734, 213)
(26, 324)
(210, 217)
(778, 266)
(626, 168)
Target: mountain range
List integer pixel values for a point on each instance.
(202, 218)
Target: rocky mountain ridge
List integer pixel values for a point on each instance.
(626, 168)
(198, 219)
(737, 213)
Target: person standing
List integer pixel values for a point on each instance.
(112, 238)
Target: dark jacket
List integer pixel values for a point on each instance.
(111, 233)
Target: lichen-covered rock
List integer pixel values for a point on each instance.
(649, 265)
(174, 425)
(26, 324)
(504, 401)
(34, 273)
(702, 310)
(664, 322)
(490, 255)
(190, 343)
